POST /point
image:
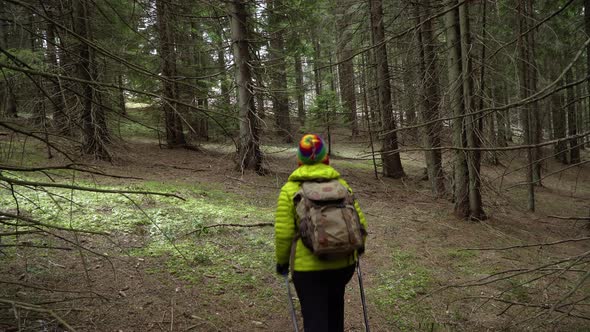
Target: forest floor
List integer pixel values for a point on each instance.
(160, 269)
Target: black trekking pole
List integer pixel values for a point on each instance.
(293, 316)
(358, 273)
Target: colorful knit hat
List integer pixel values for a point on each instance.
(312, 150)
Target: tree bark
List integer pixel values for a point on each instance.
(300, 89)
(430, 99)
(472, 123)
(572, 123)
(174, 129)
(280, 97)
(559, 128)
(345, 65)
(461, 173)
(525, 91)
(249, 153)
(60, 121)
(94, 128)
(225, 82)
(7, 96)
(200, 96)
(317, 55)
(392, 166)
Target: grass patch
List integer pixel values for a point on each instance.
(403, 281)
(163, 216)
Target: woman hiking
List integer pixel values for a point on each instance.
(319, 280)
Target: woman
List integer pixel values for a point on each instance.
(320, 283)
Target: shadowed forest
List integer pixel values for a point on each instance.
(143, 145)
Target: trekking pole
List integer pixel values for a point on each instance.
(293, 316)
(358, 273)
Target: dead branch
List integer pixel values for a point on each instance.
(182, 168)
(28, 245)
(8, 216)
(531, 245)
(56, 290)
(261, 224)
(33, 307)
(545, 306)
(73, 167)
(570, 218)
(80, 188)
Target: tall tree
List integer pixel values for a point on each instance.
(473, 122)
(572, 123)
(94, 127)
(249, 153)
(174, 129)
(461, 173)
(280, 97)
(299, 89)
(59, 114)
(8, 104)
(344, 56)
(429, 98)
(526, 90)
(392, 165)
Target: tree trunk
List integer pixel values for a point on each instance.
(121, 92)
(300, 89)
(280, 97)
(461, 173)
(259, 92)
(430, 99)
(536, 111)
(392, 166)
(59, 116)
(409, 78)
(94, 128)
(7, 96)
(317, 54)
(200, 91)
(249, 153)
(472, 123)
(525, 91)
(345, 63)
(225, 82)
(174, 131)
(559, 128)
(572, 124)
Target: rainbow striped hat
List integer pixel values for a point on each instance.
(312, 150)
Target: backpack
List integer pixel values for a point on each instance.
(328, 223)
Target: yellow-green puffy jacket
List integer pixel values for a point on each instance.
(285, 229)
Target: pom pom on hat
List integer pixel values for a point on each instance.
(312, 150)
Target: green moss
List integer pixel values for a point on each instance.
(457, 255)
(403, 281)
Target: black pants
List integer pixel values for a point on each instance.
(321, 295)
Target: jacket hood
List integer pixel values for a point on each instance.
(316, 171)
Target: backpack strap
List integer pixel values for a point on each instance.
(297, 233)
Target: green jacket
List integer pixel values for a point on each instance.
(285, 229)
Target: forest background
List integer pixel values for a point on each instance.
(143, 144)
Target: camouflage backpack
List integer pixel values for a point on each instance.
(328, 222)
